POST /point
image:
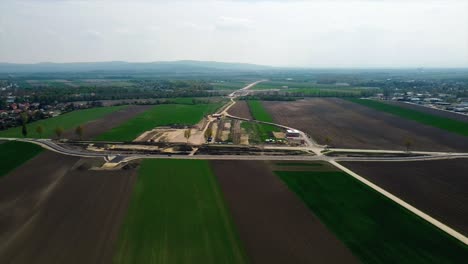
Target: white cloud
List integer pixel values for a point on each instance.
(297, 33)
(233, 23)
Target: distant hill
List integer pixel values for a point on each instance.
(163, 66)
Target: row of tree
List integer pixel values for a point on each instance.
(79, 131)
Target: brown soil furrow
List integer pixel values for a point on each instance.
(273, 223)
(350, 125)
(241, 109)
(438, 188)
(77, 219)
(94, 128)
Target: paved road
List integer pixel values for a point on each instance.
(310, 146)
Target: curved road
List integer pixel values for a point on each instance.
(311, 146)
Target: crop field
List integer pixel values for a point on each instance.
(54, 210)
(313, 90)
(430, 111)
(160, 115)
(448, 124)
(13, 154)
(228, 85)
(97, 127)
(177, 215)
(66, 121)
(376, 229)
(351, 125)
(273, 223)
(436, 187)
(259, 113)
(241, 109)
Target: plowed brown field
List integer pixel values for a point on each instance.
(241, 109)
(273, 223)
(350, 125)
(438, 188)
(95, 128)
(52, 210)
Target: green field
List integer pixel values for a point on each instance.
(160, 115)
(177, 215)
(315, 90)
(424, 118)
(376, 229)
(264, 131)
(66, 121)
(228, 85)
(259, 112)
(13, 154)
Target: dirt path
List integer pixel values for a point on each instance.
(51, 213)
(435, 187)
(273, 223)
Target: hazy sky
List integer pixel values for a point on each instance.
(316, 33)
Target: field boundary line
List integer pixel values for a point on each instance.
(450, 231)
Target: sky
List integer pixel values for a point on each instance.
(314, 33)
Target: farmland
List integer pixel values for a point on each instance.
(55, 210)
(13, 154)
(274, 224)
(351, 125)
(258, 112)
(97, 127)
(436, 187)
(448, 124)
(430, 111)
(313, 89)
(66, 121)
(373, 227)
(241, 109)
(177, 215)
(160, 115)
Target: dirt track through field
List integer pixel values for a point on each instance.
(350, 125)
(95, 128)
(51, 213)
(241, 109)
(273, 223)
(438, 188)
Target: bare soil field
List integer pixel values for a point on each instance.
(427, 110)
(95, 128)
(273, 223)
(54, 210)
(241, 109)
(350, 125)
(438, 188)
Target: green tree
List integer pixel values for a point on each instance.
(40, 130)
(187, 134)
(408, 144)
(58, 132)
(24, 130)
(79, 130)
(328, 141)
(24, 118)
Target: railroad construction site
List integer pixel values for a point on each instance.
(258, 170)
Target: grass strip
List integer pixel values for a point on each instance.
(424, 118)
(177, 215)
